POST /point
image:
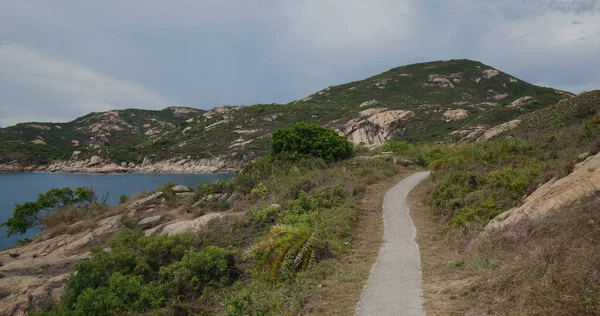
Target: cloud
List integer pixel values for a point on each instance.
(81, 89)
(209, 53)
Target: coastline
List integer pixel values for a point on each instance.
(172, 166)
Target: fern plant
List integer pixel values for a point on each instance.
(286, 248)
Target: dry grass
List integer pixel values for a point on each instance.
(340, 292)
(547, 267)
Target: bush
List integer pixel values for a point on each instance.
(303, 139)
(142, 273)
(31, 214)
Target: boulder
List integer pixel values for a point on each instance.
(233, 197)
(13, 254)
(150, 221)
(189, 225)
(180, 189)
(497, 130)
(183, 195)
(94, 161)
(146, 200)
(583, 182)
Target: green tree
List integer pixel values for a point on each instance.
(304, 139)
(30, 214)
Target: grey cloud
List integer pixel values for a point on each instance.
(208, 53)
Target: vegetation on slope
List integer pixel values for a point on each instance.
(536, 267)
(294, 229)
(427, 89)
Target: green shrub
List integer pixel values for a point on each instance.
(303, 139)
(198, 269)
(260, 191)
(123, 199)
(31, 214)
(142, 273)
(285, 249)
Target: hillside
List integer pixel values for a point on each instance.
(435, 102)
(510, 225)
(35, 143)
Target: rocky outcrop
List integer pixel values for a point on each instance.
(583, 182)
(98, 165)
(470, 133)
(368, 103)
(34, 279)
(497, 130)
(145, 201)
(33, 276)
(520, 102)
(455, 115)
(182, 226)
(375, 126)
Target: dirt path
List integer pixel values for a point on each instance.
(394, 287)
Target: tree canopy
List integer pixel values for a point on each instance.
(304, 139)
(30, 214)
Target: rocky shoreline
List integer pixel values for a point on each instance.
(96, 165)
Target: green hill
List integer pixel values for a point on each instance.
(419, 102)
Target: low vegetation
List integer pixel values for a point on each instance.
(536, 267)
(295, 229)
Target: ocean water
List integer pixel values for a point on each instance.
(17, 188)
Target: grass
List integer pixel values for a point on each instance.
(550, 270)
(339, 202)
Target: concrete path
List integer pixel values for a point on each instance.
(394, 287)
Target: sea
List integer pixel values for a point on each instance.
(17, 188)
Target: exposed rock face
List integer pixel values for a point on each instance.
(455, 115)
(145, 201)
(149, 221)
(180, 188)
(470, 133)
(175, 165)
(442, 81)
(182, 226)
(489, 73)
(520, 102)
(375, 126)
(497, 130)
(367, 103)
(35, 278)
(583, 182)
(38, 142)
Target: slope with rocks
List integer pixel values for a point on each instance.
(439, 101)
(40, 143)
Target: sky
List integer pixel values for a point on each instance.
(62, 59)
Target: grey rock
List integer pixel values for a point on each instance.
(233, 197)
(183, 195)
(94, 161)
(180, 189)
(145, 200)
(275, 206)
(197, 204)
(149, 221)
(224, 197)
(13, 254)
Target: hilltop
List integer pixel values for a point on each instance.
(441, 101)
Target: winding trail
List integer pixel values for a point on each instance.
(394, 287)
